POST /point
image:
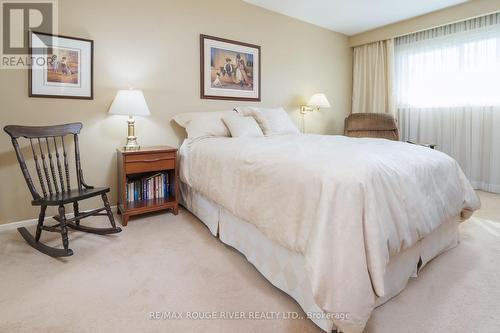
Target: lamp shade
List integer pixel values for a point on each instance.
(129, 102)
(319, 101)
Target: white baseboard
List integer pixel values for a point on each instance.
(30, 222)
(18, 224)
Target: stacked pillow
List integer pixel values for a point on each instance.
(272, 120)
(204, 124)
(242, 126)
(246, 121)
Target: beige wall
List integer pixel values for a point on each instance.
(154, 46)
(460, 12)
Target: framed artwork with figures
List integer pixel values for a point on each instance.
(61, 67)
(229, 70)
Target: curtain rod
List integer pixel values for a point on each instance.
(425, 29)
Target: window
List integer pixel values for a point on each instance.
(447, 92)
(453, 70)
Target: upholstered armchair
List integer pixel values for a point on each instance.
(371, 125)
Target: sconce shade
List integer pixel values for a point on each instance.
(318, 101)
(130, 103)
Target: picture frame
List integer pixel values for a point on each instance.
(61, 67)
(229, 70)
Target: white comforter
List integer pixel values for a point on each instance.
(346, 204)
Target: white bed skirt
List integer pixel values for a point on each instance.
(286, 269)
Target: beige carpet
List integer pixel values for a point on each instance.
(172, 263)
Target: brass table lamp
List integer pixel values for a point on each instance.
(132, 103)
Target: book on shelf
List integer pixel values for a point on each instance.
(149, 187)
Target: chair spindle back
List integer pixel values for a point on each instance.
(53, 176)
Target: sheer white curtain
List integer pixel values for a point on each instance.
(372, 78)
(447, 91)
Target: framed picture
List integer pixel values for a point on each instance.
(62, 67)
(229, 69)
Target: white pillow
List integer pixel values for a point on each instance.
(271, 120)
(206, 127)
(203, 124)
(242, 126)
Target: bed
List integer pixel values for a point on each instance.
(340, 224)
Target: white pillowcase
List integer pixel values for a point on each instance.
(271, 120)
(242, 126)
(204, 124)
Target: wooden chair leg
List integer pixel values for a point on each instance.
(64, 229)
(35, 241)
(76, 212)
(108, 210)
(50, 251)
(41, 217)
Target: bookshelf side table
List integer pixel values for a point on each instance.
(141, 165)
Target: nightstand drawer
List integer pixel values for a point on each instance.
(149, 164)
(149, 157)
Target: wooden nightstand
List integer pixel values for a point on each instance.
(147, 181)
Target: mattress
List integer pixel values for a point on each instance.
(320, 196)
(286, 269)
(347, 205)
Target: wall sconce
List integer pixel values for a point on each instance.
(316, 102)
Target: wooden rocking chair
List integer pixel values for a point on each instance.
(49, 141)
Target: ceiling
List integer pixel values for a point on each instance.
(351, 17)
